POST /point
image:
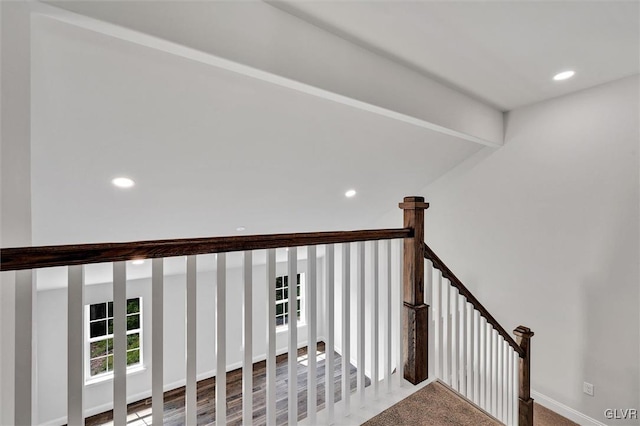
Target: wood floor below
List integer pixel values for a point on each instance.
(139, 413)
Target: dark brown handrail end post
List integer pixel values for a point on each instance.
(525, 407)
(415, 315)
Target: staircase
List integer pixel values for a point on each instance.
(406, 322)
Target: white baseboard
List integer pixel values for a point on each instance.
(563, 410)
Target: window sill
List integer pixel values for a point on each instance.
(107, 377)
(285, 328)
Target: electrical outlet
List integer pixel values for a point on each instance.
(587, 388)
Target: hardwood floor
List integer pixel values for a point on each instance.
(140, 412)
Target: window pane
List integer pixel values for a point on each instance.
(98, 366)
(109, 346)
(110, 363)
(278, 282)
(133, 306)
(298, 279)
(298, 291)
(133, 322)
(285, 280)
(286, 293)
(110, 311)
(98, 311)
(279, 320)
(110, 326)
(278, 294)
(98, 328)
(133, 357)
(97, 349)
(279, 309)
(298, 307)
(133, 341)
(286, 307)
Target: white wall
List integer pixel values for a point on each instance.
(545, 233)
(52, 326)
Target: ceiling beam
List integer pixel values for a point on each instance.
(260, 41)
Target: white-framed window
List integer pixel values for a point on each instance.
(282, 299)
(99, 320)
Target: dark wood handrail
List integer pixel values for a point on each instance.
(13, 259)
(464, 291)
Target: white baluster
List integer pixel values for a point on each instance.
(483, 362)
(516, 387)
(428, 299)
(469, 357)
(191, 395)
(494, 372)
(462, 349)
(221, 339)
(157, 341)
(437, 318)
(388, 332)
(512, 390)
(509, 382)
(360, 321)
(399, 331)
(119, 343)
(446, 334)
(346, 327)
(330, 345)
(454, 338)
(25, 350)
(312, 318)
(489, 359)
(271, 336)
(489, 368)
(75, 346)
(476, 356)
(505, 380)
(498, 375)
(292, 320)
(375, 313)
(247, 339)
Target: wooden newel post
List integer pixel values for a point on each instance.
(525, 407)
(415, 314)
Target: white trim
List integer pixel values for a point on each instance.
(177, 49)
(563, 410)
(134, 369)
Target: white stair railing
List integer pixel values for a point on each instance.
(468, 349)
(367, 314)
(473, 354)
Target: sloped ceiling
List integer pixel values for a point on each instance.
(210, 150)
(502, 52)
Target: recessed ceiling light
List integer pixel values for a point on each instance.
(350, 193)
(240, 228)
(137, 262)
(123, 182)
(564, 75)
